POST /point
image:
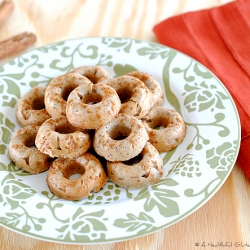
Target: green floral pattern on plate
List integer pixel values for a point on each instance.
(194, 171)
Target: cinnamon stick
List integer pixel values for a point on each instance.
(15, 44)
(6, 8)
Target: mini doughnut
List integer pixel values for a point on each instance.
(141, 171)
(121, 139)
(135, 97)
(95, 74)
(90, 106)
(57, 92)
(31, 109)
(152, 84)
(24, 155)
(92, 178)
(58, 138)
(171, 126)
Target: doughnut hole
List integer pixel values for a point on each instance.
(67, 90)
(30, 143)
(38, 103)
(124, 94)
(92, 98)
(64, 129)
(92, 77)
(134, 160)
(159, 123)
(73, 171)
(119, 132)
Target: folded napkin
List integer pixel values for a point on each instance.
(219, 38)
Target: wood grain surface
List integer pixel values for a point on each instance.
(224, 221)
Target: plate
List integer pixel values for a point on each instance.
(193, 172)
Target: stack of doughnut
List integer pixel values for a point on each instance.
(86, 123)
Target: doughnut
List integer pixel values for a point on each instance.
(90, 106)
(57, 92)
(58, 138)
(84, 120)
(152, 84)
(92, 177)
(136, 99)
(23, 153)
(31, 109)
(95, 74)
(171, 128)
(121, 139)
(141, 171)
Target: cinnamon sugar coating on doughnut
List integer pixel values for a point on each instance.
(92, 177)
(143, 170)
(24, 154)
(31, 109)
(121, 115)
(171, 128)
(58, 138)
(57, 92)
(95, 74)
(121, 139)
(152, 84)
(90, 106)
(135, 97)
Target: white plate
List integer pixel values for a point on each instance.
(194, 171)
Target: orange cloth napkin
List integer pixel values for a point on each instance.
(219, 38)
